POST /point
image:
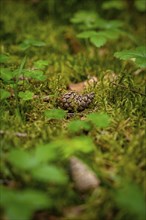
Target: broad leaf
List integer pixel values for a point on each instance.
(139, 54)
(45, 153)
(98, 41)
(55, 114)
(22, 159)
(70, 147)
(87, 34)
(131, 199)
(100, 120)
(50, 173)
(84, 17)
(4, 94)
(22, 204)
(140, 5)
(6, 74)
(77, 125)
(3, 58)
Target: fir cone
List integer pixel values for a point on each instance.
(72, 101)
(84, 178)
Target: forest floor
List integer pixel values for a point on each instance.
(41, 59)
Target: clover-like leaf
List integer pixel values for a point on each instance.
(25, 96)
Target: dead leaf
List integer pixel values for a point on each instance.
(79, 87)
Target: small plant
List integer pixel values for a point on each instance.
(26, 44)
(97, 29)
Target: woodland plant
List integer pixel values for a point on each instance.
(39, 139)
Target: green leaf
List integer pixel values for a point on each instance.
(40, 64)
(50, 173)
(112, 24)
(139, 54)
(100, 120)
(4, 94)
(29, 43)
(98, 41)
(113, 4)
(55, 114)
(3, 58)
(22, 204)
(131, 199)
(112, 34)
(77, 125)
(85, 17)
(45, 153)
(35, 74)
(87, 34)
(71, 146)
(140, 5)
(25, 96)
(6, 74)
(22, 159)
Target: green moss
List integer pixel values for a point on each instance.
(119, 153)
